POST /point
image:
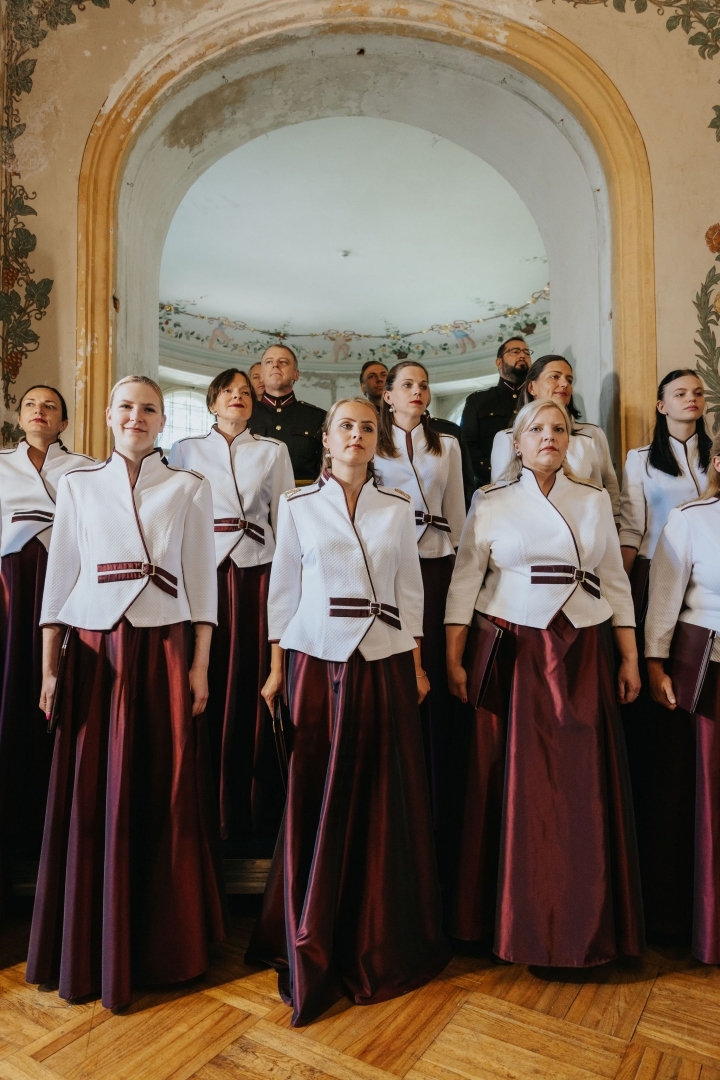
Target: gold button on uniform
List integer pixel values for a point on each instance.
(278, 427)
(278, 410)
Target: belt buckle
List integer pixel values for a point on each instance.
(579, 575)
(148, 569)
(374, 607)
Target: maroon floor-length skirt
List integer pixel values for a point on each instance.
(438, 708)
(352, 906)
(706, 906)
(244, 759)
(661, 756)
(25, 746)
(568, 888)
(129, 887)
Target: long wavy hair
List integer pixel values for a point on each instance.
(522, 422)
(661, 454)
(386, 443)
(327, 424)
(534, 372)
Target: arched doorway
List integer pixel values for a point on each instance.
(529, 103)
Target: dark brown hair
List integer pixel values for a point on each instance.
(386, 443)
(534, 372)
(44, 386)
(661, 454)
(221, 382)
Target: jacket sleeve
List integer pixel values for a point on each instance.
(198, 557)
(175, 457)
(502, 455)
(409, 592)
(633, 510)
(282, 481)
(607, 471)
(614, 583)
(669, 576)
(453, 504)
(63, 568)
(471, 563)
(286, 574)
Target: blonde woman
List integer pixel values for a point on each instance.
(128, 892)
(352, 905)
(546, 824)
(685, 589)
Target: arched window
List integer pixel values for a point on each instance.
(187, 414)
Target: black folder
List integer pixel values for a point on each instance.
(690, 652)
(481, 648)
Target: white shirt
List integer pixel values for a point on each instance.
(27, 497)
(119, 550)
(588, 456)
(247, 478)
(685, 576)
(515, 535)
(434, 484)
(324, 557)
(648, 494)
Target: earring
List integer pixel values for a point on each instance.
(390, 408)
(518, 454)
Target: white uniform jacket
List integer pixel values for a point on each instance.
(435, 486)
(588, 456)
(685, 576)
(247, 478)
(145, 552)
(648, 494)
(338, 584)
(27, 497)
(525, 556)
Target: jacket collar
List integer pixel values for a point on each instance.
(279, 402)
(400, 436)
(151, 466)
(529, 482)
(679, 446)
(217, 437)
(54, 450)
(333, 489)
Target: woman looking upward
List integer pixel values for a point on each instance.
(247, 475)
(128, 891)
(427, 465)
(352, 905)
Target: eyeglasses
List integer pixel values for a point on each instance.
(517, 352)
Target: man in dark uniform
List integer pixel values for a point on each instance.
(280, 415)
(372, 381)
(488, 411)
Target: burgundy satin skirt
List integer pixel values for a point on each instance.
(438, 708)
(706, 906)
(245, 764)
(352, 905)
(25, 746)
(129, 889)
(554, 866)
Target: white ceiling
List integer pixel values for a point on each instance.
(433, 232)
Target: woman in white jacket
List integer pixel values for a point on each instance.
(547, 824)
(29, 476)
(352, 904)
(668, 472)
(551, 378)
(247, 474)
(685, 589)
(128, 891)
(428, 466)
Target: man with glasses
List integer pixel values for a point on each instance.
(488, 411)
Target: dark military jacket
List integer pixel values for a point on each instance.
(486, 412)
(295, 423)
(446, 427)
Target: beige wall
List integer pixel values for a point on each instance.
(668, 88)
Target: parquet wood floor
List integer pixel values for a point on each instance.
(657, 1019)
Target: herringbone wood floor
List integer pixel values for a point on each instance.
(654, 1020)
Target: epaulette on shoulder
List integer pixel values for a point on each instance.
(499, 485)
(265, 438)
(177, 468)
(309, 405)
(195, 438)
(95, 467)
(395, 493)
(642, 449)
(294, 493)
(584, 483)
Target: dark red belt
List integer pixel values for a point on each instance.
(33, 515)
(440, 523)
(133, 571)
(353, 608)
(237, 525)
(565, 575)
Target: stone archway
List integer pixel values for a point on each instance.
(245, 73)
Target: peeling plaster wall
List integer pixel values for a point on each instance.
(669, 90)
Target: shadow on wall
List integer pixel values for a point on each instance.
(609, 416)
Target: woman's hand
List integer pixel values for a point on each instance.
(628, 681)
(52, 643)
(274, 684)
(199, 690)
(457, 682)
(423, 685)
(661, 687)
